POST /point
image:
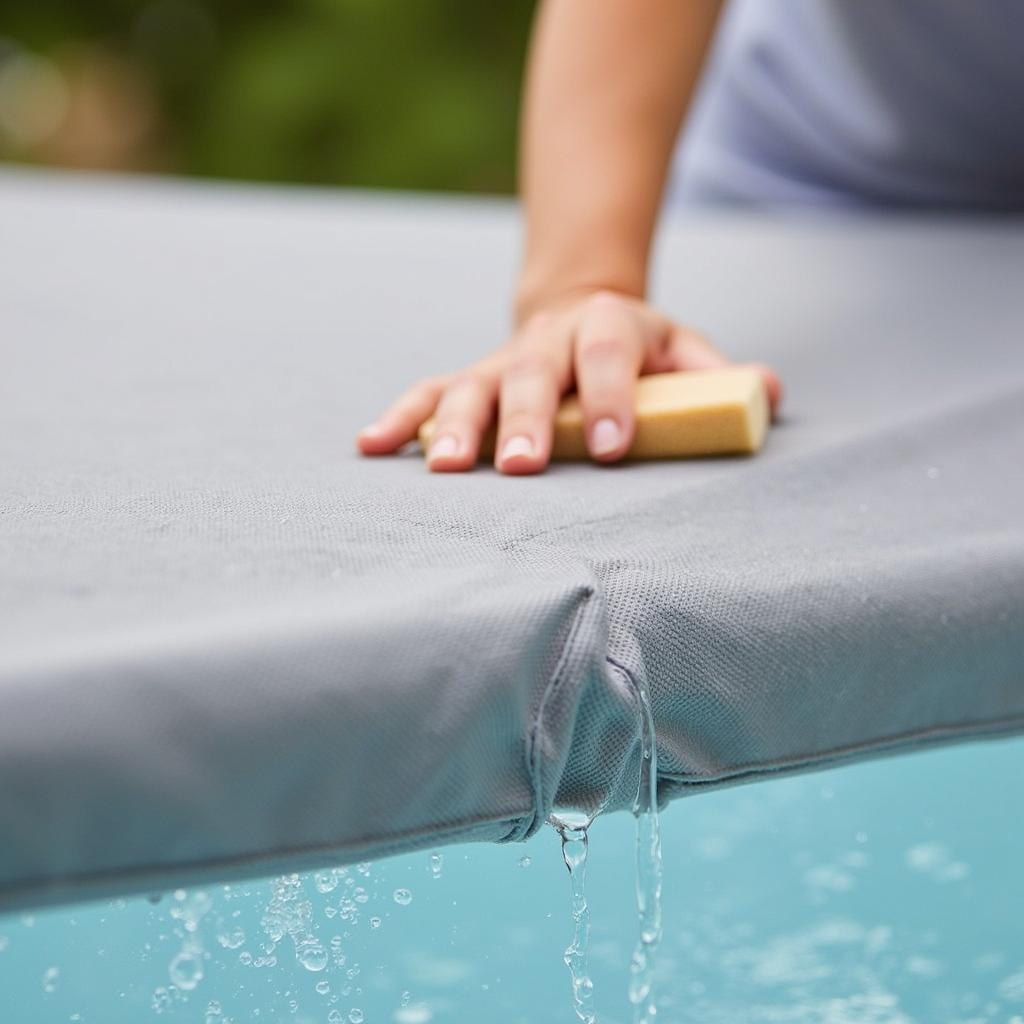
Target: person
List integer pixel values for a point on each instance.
(841, 103)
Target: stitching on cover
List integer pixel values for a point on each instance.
(381, 846)
(1007, 725)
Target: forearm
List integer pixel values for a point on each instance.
(607, 87)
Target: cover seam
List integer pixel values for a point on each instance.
(526, 826)
(839, 755)
(343, 851)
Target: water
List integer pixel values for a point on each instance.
(436, 864)
(573, 831)
(648, 871)
(882, 893)
(186, 969)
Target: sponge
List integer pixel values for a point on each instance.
(693, 412)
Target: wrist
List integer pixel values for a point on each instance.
(537, 290)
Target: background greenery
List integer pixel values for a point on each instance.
(387, 93)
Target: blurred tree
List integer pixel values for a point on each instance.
(388, 93)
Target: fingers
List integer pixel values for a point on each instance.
(398, 424)
(604, 341)
(530, 389)
(688, 350)
(536, 372)
(463, 414)
(609, 351)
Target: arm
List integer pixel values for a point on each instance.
(607, 87)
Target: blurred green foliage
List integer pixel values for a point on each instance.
(386, 93)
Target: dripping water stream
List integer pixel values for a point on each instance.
(648, 870)
(573, 830)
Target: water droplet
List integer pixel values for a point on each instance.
(363, 868)
(245, 958)
(355, 1015)
(525, 861)
(312, 956)
(375, 922)
(186, 970)
(323, 987)
(161, 999)
(436, 864)
(213, 1012)
(326, 881)
(360, 895)
(402, 897)
(335, 1017)
(50, 976)
(933, 472)
(190, 908)
(231, 939)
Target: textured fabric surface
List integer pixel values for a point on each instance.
(230, 646)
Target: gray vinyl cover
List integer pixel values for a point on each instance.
(230, 646)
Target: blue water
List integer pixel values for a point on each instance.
(884, 893)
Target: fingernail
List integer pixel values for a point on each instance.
(516, 446)
(605, 436)
(371, 430)
(444, 447)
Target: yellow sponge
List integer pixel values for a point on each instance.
(695, 412)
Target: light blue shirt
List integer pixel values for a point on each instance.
(861, 102)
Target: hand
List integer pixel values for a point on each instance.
(597, 344)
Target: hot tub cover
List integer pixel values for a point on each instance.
(229, 646)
